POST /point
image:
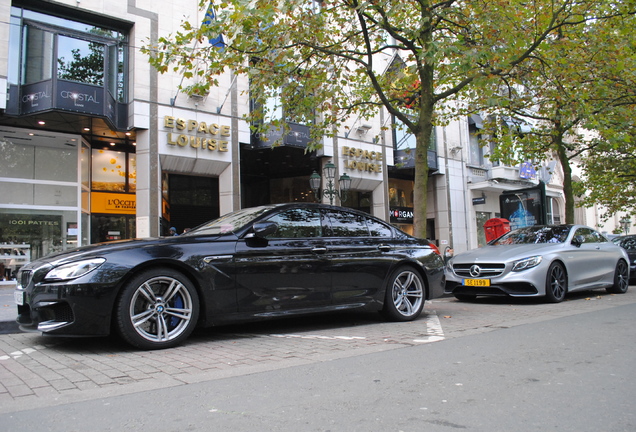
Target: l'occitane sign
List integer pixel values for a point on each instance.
(197, 134)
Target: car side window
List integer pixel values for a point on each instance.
(296, 223)
(599, 237)
(378, 229)
(345, 224)
(587, 235)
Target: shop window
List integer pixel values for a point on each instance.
(68, 65)
(113, 171)
(39, 55)
(80, 61)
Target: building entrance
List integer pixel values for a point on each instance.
(193, 200)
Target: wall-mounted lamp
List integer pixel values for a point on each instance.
(363, 128)
(330, 191)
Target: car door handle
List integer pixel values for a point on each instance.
(319, 250)
(384, 248)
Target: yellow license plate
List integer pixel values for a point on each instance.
(477, 282)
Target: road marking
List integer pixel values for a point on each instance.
(434, 330)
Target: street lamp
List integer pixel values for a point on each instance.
(330, 191)
(625, 224)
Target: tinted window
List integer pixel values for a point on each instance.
(345, 224)
(534, 235)
(586, 235)
(295, 223)
(629, 244)
(378, 229)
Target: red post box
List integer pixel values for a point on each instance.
(495, 228)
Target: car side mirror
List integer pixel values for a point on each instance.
(578, 240)
(263, 229)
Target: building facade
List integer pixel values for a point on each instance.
(97, 146)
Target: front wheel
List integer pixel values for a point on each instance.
(621, 279)
(404, 299)
(556, 283)
(157, 309)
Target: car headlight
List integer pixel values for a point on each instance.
(74, 270)
(526, 263)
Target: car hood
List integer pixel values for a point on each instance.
(100, 249)
(501, 253)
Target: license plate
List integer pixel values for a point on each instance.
(19, 297)
(477, 282)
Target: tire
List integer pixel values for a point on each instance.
(556, 283)
(621, 279)
(405, 295)
(465, 297)
(157, 309)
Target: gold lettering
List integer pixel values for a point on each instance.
(168, 121)
(345, 151)
(195, 142)
(214, 129)
(212, 144)
(182, 140)
(171, 141)
(192, 125)
(223, 146)
(181, 124)
(225, 131)
(203, 128)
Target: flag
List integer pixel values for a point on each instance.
(210, 16)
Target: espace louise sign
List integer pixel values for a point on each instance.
(187, 133)
(355, 159)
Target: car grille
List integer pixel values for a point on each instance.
(485, 270)
(25, 278)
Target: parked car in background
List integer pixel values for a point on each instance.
(628, 242)
(540, 260)
(270, 261)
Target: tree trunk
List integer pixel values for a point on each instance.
(567, 182)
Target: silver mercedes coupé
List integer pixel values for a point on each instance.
(539, 260)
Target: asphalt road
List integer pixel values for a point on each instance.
(492, 365)
(568, 374)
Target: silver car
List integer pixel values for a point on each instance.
(540, 260)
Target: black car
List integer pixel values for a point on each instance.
(270, 261)
(628, 242)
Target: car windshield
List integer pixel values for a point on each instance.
(230, 222)
(534, 235)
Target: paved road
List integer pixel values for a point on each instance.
(38, 372)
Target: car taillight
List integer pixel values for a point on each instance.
(435, 249)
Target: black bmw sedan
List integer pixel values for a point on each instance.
(270, 261)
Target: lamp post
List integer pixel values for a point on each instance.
(330, 191)
(625, 224)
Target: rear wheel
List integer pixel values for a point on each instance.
(621, 279)
(404, 298)
(157, 309)
(556, 284)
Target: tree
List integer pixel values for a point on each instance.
(610, 166)
(571, 91)
(416, 59)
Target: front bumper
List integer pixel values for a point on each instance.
(512, 289)
(66, 310)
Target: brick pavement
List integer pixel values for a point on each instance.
(38, 371)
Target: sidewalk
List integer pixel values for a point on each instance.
(8, 309)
